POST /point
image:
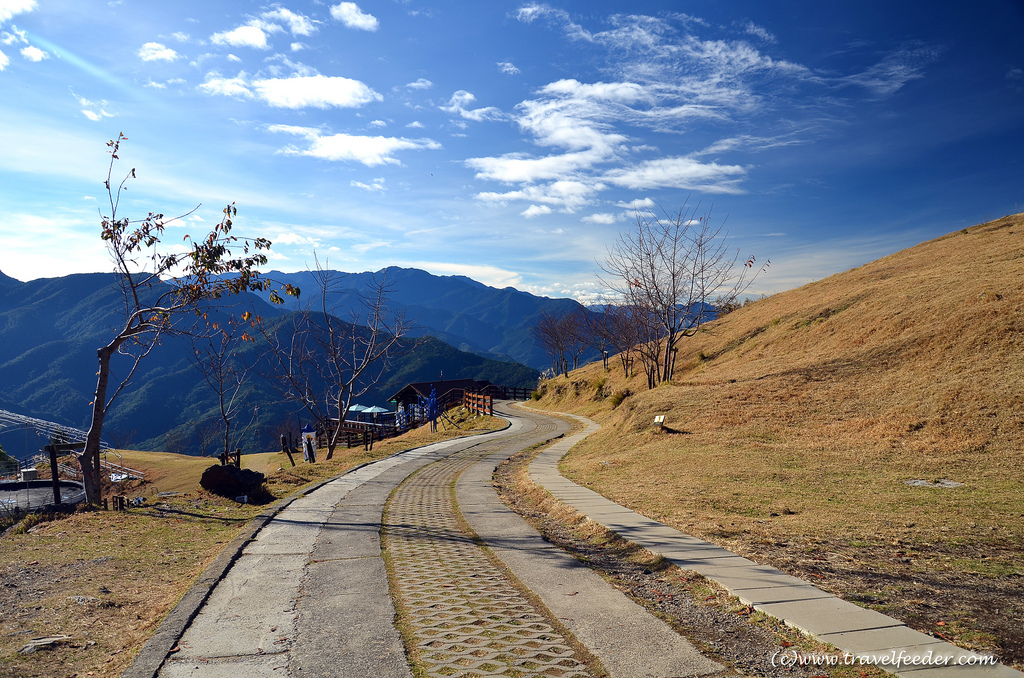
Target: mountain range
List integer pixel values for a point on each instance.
(460, 311)
(50, 329)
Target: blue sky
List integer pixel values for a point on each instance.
(510, 141)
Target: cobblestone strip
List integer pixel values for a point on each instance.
(467, 618)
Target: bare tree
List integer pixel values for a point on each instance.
(322, 362)
(668, 271)
(622, 332)
(564, 337)
(213, 355)
(158, 287)
(209, 436)
(123, 439)
(577, 338)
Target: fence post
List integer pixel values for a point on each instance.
(54, 474)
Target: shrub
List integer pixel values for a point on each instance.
(619, 396)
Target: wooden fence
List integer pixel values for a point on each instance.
(479, 403)
(392, 424)
(508, 392)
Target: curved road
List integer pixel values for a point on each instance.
(481, 593)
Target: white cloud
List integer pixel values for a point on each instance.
(349, 14)
(535, 211)
(516, 168)
(488, 275)
(296, 46)
(9, 8)
(4, 60)
(13, 37)
(180, 36)
(668, 79)
(760, 32)
(317, 91)
(295, 239)
(92, 110)
(298, 24)
(600, 218)
(252, 34)
(894, 71)
(234, 59)
(678, 172)
(508, 67)
(639, 204)
(421, 83)
(33, 53)
(459, 103)
(371, 151)
(363, 248)
(567, 194)
(154, 51)
(96, 116)
(527, 13)
(377, 123)
(416, 124)
(623, 92)
(231, 87)
(376, 185)
(571, 115)
(310, 91)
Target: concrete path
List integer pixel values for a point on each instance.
(307, 592)
(852, 629)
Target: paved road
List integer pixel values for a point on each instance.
(310, 594)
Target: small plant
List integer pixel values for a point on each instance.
(619, 396)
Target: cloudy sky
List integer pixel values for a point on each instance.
(510, 141)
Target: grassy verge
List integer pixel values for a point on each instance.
(713, 620)
(756, 469)
(105, 580)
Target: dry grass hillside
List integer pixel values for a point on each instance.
(795, 423)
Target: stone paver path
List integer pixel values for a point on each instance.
(467, 615)
(308, 595)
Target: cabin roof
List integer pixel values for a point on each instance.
(411, 392)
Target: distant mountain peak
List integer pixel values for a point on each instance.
(7, 280)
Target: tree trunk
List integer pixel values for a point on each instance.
(227, 429)
(89, 460)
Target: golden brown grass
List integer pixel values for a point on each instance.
(795, 421)
(107, 579)
(602, 549)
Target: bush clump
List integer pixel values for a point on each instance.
(619, 396)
